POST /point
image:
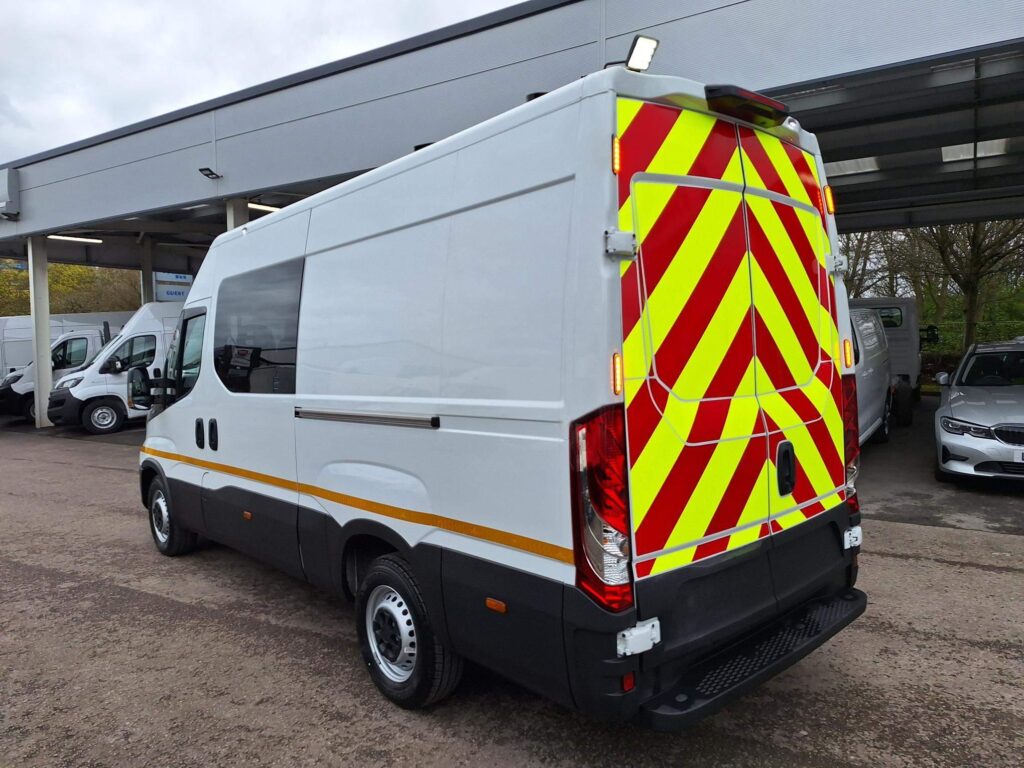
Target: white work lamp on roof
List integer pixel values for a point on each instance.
(640, 53)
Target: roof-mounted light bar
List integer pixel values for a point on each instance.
(746, 105)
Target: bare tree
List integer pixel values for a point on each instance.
(859, 250)
(973, 255)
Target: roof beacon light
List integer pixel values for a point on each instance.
(640, 53)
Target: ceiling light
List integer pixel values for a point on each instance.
(73, 239)
(846, 167)
(640, 53)
(210, 173)
(262, 207)
(988, 148)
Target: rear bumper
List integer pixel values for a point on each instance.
(707, 687)
(64, 408)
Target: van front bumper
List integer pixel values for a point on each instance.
(64, 408)
(10, 402)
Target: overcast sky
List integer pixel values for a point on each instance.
(71, 69)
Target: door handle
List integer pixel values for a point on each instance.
(785, 466)
(200, 440)
(213, 434)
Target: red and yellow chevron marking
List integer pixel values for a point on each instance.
(725, 336)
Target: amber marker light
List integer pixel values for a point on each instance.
(616, 155)
(617, 373)
(848, 353)
(830, 201)
(498, 606)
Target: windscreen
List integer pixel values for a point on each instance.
(994, 369)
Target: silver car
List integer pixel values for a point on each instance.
(979, 427)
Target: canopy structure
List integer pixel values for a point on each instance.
(913, 104)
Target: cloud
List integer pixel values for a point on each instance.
(71, 69)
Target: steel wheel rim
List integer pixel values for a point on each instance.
(391, 633)
(103, 417)
(160, 517)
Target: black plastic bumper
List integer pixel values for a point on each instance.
(10, 402)
(64, 408)
(718, 680)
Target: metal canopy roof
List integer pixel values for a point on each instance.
(937, 140)
(911, 142)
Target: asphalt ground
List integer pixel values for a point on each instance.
(111, 655)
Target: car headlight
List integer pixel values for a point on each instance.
(955, 427)
(69, 383)
(9, 379)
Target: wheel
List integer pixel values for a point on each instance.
(407, 662)
(171, 539)
(904, 405)
(28, 408)
(882, 433)
(102, 417)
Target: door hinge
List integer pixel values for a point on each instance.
(644, 636)
(853, 537)
(619, 245)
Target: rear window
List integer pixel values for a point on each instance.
(892, 317)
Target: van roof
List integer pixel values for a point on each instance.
(677, 91)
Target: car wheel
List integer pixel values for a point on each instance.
(28, 408)
(882, 433)
(903, 407)
(103, 417)
(407, 661)
(171, 538)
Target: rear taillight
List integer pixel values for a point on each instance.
(600, 507)
(851, 439)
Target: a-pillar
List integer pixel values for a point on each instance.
(39, 299)
(147, 270)
(238, 212)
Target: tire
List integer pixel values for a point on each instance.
(171, 538)
(103, 417)
(28, 408)
(406, 660)
(904, 405)
(882, 433)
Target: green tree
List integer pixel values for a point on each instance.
(73, 288)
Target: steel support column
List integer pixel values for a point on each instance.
(238, 212)
(147, 270)
(39, 298)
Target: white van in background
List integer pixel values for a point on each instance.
(903, 332)
(416, 388)
(95, 397)
(16, 333)
(70, 352)
(875, 386)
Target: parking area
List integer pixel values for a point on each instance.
(111, 654)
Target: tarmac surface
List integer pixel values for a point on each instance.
(111, 655)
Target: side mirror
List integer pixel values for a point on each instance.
(139, 389)
(942, 379)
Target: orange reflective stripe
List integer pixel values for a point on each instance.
(513, 540)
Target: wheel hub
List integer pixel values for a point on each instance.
(391, 633)
(103, 417)
(160, 518)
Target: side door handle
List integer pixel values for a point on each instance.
(213, 434)
(200, 439)
(785, 466)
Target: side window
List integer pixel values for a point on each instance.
(77, 351)
(143, 351)
(256, 329)
(59, 355)
(123, 352)
(191, 353)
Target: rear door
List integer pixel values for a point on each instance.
(730, 346)
(696, 440)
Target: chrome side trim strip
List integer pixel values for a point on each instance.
(364, 417)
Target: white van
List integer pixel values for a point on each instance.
(16, 333)
(96, 397)
(903, 331)
(876, 388)
(70, 352)
(503, 391)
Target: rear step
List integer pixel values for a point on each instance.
(709, 686)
